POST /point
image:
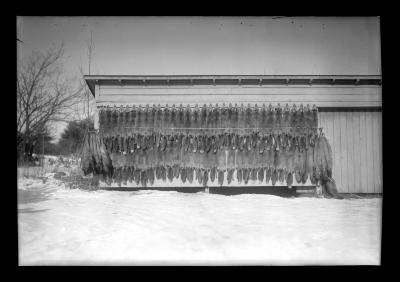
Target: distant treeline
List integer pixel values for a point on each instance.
(69, 143)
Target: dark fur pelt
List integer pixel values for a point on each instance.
(260, 174)
(221, 177)
(239, 175)
(274, 176)
(213, 173)
(268, 174)
(230, 175)
(329, 189)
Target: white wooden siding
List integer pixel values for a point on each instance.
(356, 141)
(322, 96)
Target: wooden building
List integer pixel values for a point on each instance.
(350, 109)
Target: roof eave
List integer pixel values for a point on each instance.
(90, 83)
(92, 80)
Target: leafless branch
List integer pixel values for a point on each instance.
(44, 94)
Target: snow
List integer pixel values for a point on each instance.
(62, 226)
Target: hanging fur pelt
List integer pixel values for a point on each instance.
(310, 158)
(327, 157)
(221, 177)
(268, 174)
(274, 176)
(239, 175)
(205, 177)
(189, 172)
(260, 174)
(199, 176)
(230, 175)
(213, 173)
(330, 189)
(95, 158)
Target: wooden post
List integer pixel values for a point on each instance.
(96, 112)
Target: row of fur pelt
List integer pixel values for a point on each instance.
(221, 159)
(292, 158)
(266, 175)
(113, 121)
(316, 160)
(255, 141)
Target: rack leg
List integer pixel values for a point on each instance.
(318, 191)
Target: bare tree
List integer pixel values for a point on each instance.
(44, 95)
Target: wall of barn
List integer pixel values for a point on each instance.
(356, 140)
(355, 135)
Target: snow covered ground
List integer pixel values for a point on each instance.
(61, 226)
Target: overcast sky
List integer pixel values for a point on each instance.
(209, 45)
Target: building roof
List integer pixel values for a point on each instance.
(190, 80)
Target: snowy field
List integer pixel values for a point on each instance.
(62, 226)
